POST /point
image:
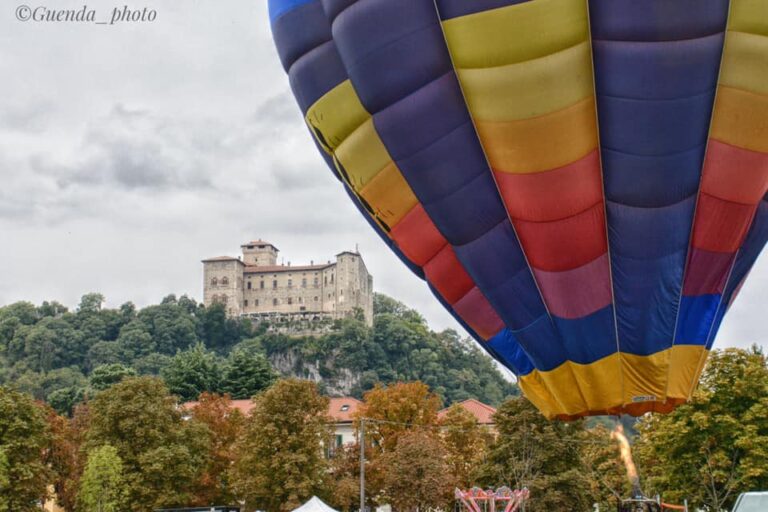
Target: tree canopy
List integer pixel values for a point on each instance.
(280, 461)
(101, 487)
(24, 434)
(63, 356)
(716, 446)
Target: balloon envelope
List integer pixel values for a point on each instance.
(582, 184)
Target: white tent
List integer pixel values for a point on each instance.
(315, 504)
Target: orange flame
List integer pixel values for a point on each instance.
(626, 455)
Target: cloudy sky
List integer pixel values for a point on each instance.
(129, 152)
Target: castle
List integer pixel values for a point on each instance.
(255, 286)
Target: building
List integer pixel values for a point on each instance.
(256, 286)
(341, 410)
(483, 413)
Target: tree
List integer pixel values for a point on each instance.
(23, 438)
(5, 480)
(91, 303)
(102, 482)
(715, 446)
(162, 454)
(543, 455)
(466, 444)
(65, 455)
(396, 409)
(106, 375)
(246, 373)
(416, 474)
(134, 341)
(224, 425)
(192, 372)
(345, 478)
(280, 459)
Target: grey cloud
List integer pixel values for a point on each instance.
(30, 117)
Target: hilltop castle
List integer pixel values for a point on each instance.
(255, 286)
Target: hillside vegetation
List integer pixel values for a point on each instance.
(61, 356)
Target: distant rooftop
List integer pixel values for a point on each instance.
(482, 412)
(341, 409)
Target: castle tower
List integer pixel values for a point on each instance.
(259, 253)
(354, 286)
(223, 283)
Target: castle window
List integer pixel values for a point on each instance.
(274, 302)
(304, 282)
(261, 285)
(331, 277)
(290, 283)
(256, 302)
(274, 283)
(290, 300)
(316, 282)
(245, 302)
(214, 282)
(325, 280)
(315, 299)
(224, 281)
(224, 299)
(249, 285)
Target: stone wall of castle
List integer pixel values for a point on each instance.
(258, 288)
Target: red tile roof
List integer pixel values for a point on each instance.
(340, 409)
(244, 406)
(482, 412)
(343, 409)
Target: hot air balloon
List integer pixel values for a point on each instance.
(582, 184)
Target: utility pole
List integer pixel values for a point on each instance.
(362, 464)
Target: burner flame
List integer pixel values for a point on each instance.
(626, 456)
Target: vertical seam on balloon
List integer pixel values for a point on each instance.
(704, 352)
(693, 223)
(378, 225)
(509, 218)
(605, 207)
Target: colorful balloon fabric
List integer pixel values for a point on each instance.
(581, 183)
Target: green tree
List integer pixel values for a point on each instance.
(23, 437)
(170, 325)
(101, 487)
(192, 372)
(543, 455)
(162, 454)
(715, 446)
(107, 375)
(134, 341)
(5, 480)
(91, 303)
(246, 373)
(280, 461)
(416, 474)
